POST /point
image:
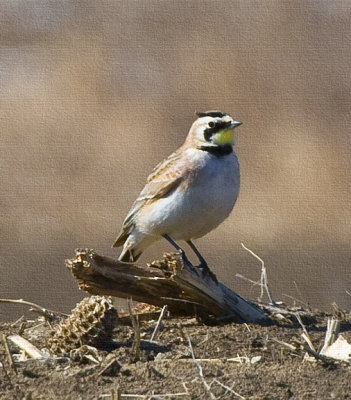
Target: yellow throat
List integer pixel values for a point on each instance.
(223, 137)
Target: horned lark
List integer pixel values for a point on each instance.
(188, 194)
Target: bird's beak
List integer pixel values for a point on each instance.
(235, 124)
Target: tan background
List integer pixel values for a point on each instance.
(94, 93)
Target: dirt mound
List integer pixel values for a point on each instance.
(232, 361)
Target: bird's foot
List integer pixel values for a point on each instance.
(185, 259)
(207, 272)
(203, 267)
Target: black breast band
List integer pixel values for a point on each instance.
(218, 151)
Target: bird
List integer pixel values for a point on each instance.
(189, 193)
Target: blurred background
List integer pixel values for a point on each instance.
(94, 93)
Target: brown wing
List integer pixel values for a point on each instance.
(164, 178)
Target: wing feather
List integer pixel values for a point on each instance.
(163, 180)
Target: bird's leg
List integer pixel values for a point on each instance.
(203, 264)
(179, 249)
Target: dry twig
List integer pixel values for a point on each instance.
(136, 326)
(17, 321)
(205, 384)
(145, 396)
(182, 335)
(311, 350)
(7, 351)
(296, 300)
(305, 334)
(158, 325)
(46, 313)
(264, 280)
(287, 345)
(333, 329)
(300, 294)
(229, 389)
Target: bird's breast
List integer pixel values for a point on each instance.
(201, 202)
(214, 187)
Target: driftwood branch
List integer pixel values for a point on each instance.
(185, 289)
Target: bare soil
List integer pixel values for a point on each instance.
(261, 367)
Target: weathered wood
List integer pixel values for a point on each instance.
(185, 289)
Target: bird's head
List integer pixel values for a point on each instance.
(213, 128)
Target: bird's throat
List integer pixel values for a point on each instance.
(223, 137)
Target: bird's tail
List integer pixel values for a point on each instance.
(129, 255)
(133, 245)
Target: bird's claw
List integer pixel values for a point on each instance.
(184, 257)
(203, 267)
(207, 272)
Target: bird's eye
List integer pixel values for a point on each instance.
(211, 124)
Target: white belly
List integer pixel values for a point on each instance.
(202, 206)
